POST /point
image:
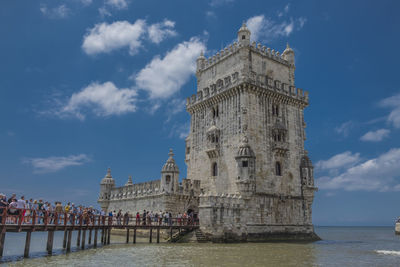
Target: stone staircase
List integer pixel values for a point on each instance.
(200, 236)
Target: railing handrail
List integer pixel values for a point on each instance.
(46, 218)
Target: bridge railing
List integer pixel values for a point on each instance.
(14, 216)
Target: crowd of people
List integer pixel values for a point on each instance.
(39, 212)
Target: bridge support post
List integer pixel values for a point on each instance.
(90, 237)
(50, 238)
(83, 239)
(151, 235)
(134, 236)
(170, 234)
(69, 240)
(27, 244)
(2, 238)
(65, 238)
(78, 239)
(108, 236)
(127, 235)
(158, 235)
(102, 235)
(95, 238)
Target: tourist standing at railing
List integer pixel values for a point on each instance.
(3, 205)
(13, 210)
(13, 196)
(126, 218)
(144, 217)
(137, 218)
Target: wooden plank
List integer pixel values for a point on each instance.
(27, 244)
(127, 235)
(50, 238)
(95, 238)
(69, 240)
(158, 235)
(83, 239)
(134, 235)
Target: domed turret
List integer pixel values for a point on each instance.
(170, 165)
(245, 160)
(108, 180)
(170, 175)
(129, 182)
(288, 54)
(244, 35)
(245, 150)
(201, 61)
(106, 185)
(306, 171)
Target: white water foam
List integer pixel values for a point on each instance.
(388, 252)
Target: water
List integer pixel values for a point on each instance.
(341, 246)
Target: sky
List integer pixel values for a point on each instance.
(87, 84)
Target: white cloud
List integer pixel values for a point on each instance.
(180, 130)
(163, 77)
(104, 37)
(284, 11)
(215, 3)
(103, 11)
(117, 4)
(104, 99)
(159, 31)
(53, 164)
(59, 12)
(266, 29)
(341, 160)
(377, 174)
(344, 128)
(375, 136)
(394, 103)
(86, 2)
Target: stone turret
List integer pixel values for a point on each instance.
(288, 54)
(129, 182)
(244, 35)
(170, 175)
(245, 162)
(106, 185)
(306, 171)
(201, 60)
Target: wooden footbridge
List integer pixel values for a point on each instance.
(95, 225)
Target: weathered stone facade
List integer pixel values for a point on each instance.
(246, 145)
(248, 174)
(165, 194)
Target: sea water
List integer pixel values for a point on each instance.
(340, 246)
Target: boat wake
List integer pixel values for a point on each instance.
(388, 252)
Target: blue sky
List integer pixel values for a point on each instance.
(86, 85)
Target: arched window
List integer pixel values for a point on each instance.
(168, 179)
(278, 169)
(214, 169)
(243, 37)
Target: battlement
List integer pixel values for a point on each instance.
(152, 188)
(149, 188)
(262, 81)
(231, 49)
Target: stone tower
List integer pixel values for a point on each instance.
(170, 175)
(246, 144)
(106, 185)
